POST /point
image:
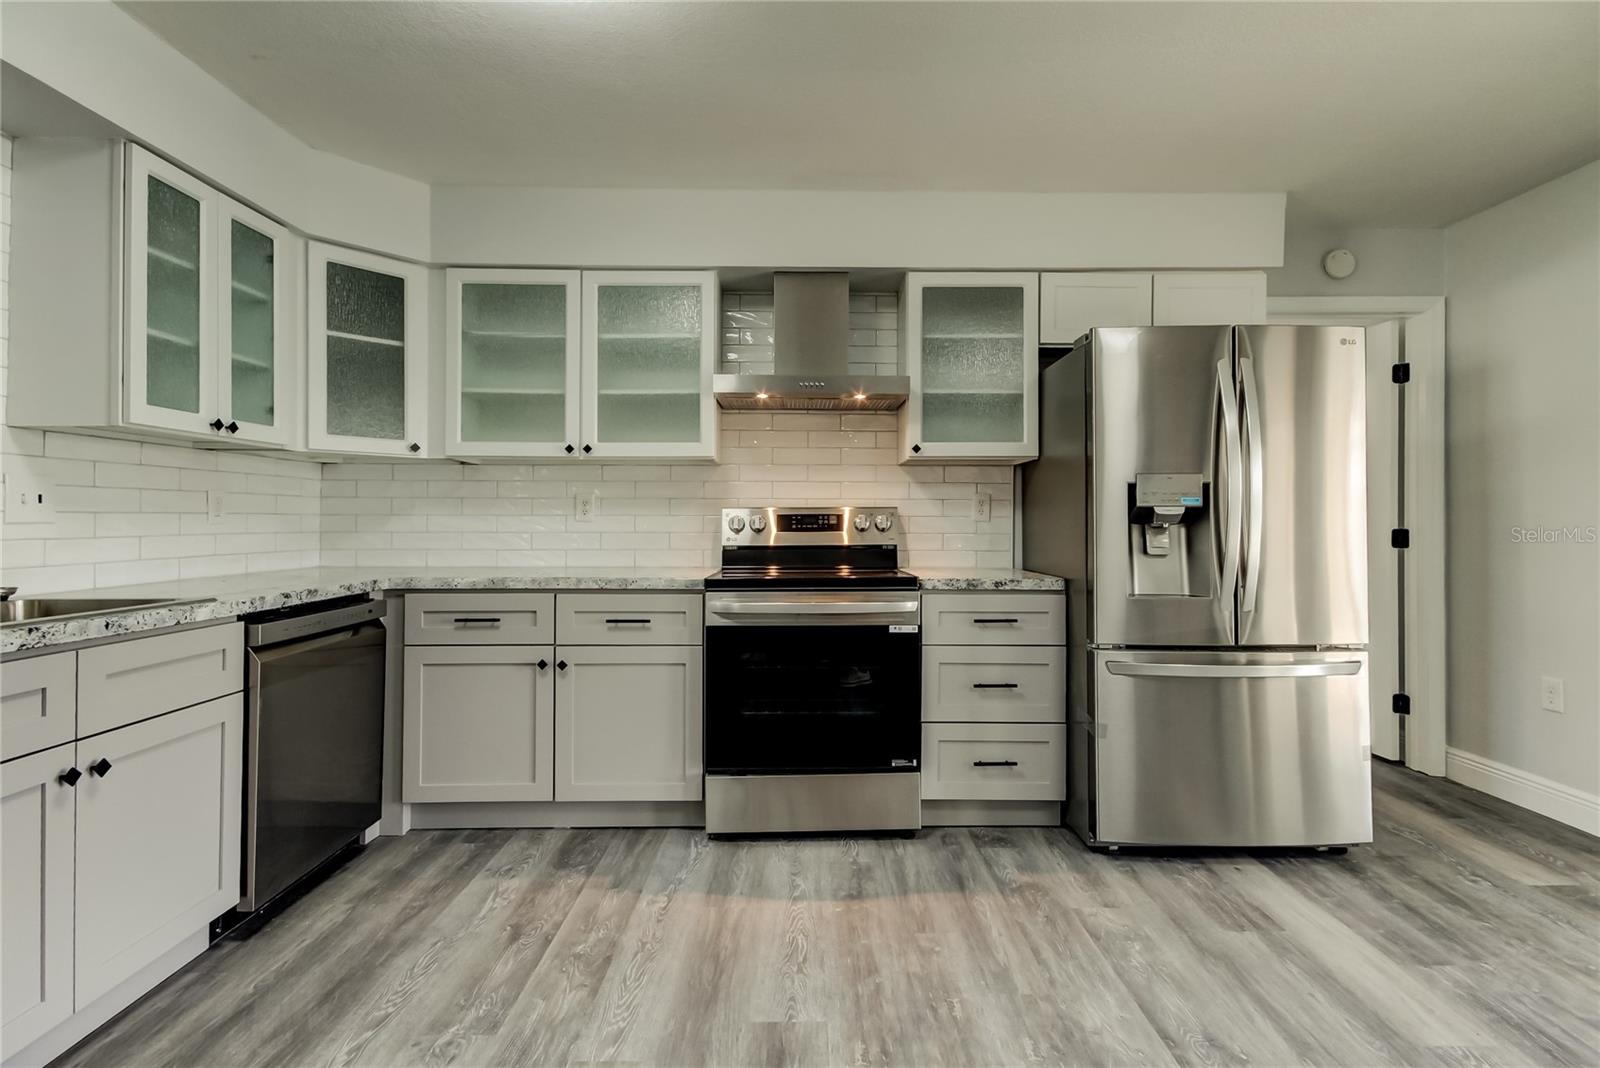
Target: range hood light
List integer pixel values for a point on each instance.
(762, 395)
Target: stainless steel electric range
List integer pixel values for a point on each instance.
(814, 674)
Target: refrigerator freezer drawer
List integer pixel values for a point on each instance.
(1232, 749)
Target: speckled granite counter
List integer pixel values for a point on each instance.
(200, 600)
(996, 579)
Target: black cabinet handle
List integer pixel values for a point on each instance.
(414, 447)
(588, 448)
(561, 665)
(916, 448)
(100, 767)
(69, 777)
(215, 424)
(492, 620)
(543, 664)
(995, 621)
(994, 763)
(994, 686)
(627, 621)
(233, 428)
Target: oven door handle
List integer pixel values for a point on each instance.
(810, 608)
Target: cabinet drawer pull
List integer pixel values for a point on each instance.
(644, 621)
(994, 686)
(100, 767)
(69, 777)
(995, 620)
(493, 621)
(994, 763)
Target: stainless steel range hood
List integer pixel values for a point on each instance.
(811, 353)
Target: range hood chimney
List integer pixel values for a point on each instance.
(811, 354)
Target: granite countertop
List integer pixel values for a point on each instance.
(199, 600)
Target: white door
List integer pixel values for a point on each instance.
(513, 362)
(254, 327)
(1071, 303)
(1383, 496)
(479, 723)
(366, 353)
(649, 351)
(159, 810)
(1208, 298)
(972, 355)
(36, 833)
(171, 298)
(628, 723)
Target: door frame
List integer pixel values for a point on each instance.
(1423, 622)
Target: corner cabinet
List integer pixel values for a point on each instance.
(512, 362)
(1072, 303)
(649, 351)
(366, 353)
(972, 354)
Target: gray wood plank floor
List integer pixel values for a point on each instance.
(1467, 934)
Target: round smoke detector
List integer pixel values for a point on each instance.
(1340, 263)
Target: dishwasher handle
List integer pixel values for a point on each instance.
(370, 632)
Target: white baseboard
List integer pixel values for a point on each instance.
(1525, 789)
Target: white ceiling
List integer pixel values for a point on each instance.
(1369, 114)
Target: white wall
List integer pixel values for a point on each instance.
(1523, 448)
(1390, 262)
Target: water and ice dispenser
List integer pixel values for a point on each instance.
(1163, 509)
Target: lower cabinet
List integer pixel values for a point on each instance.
(628, 723)
(994, 761)
(479, 723)
(36, 836)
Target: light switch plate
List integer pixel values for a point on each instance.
(1552, 694)
(29, 499)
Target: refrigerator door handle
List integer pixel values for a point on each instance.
(1234, 461)
(1237, 671)
(1252, 422)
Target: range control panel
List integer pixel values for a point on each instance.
(845, 525)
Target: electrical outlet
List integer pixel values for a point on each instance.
(1552, 694)
(981, 507)
(584, 506)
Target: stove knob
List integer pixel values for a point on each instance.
(863, 521)
(758, 523)
(883, 521)
(736, 523)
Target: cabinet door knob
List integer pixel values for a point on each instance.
(100, 767)
(588, 448)
(69, 777)
(561, 665)
(569, 449)
(414, 447)
(543, 664)
(215, 424)
(233, 428)
(916, 448)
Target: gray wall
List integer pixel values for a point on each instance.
(1389, 262)
(1523, 448)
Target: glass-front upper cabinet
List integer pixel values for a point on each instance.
(254, 327)
(512, 371)
(972, 354)
(649, 351)
(366, 353)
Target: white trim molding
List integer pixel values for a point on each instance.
(1536, 793)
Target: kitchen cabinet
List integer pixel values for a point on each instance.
(1208, 298)
(36, 840)
(513, 362)
(628, 723)
(1071, 303)
(972, 354)
(649, 344)
(994, 762)
(366, 353)
(38, 703)
(479, 723)
(255, 327)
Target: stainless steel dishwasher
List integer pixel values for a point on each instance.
(313, 739)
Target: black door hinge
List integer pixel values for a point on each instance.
(1402, 704)
(1400, 538)
(1400, 372)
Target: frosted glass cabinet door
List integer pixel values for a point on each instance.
(972, 353)
(513, 362)
(252, 327)
(366, 353)
(649, 350)
(171, 329)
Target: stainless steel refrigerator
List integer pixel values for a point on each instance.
(1203, 492)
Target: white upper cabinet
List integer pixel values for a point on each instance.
(649, 351)
(367, 353)
(513, 362)
(972, 354)
(255, 330)
(1208, 298)
(1071, 303)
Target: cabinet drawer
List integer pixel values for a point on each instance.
(134, 680)
(38, 703)
(629, 618)
(994, 684)
(994, 761)
(480, 619)
(994, 619)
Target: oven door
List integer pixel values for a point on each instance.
(809, 682)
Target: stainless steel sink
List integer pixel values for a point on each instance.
(34, 609)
